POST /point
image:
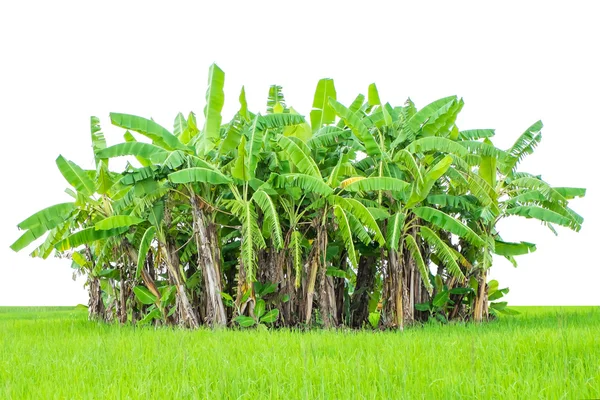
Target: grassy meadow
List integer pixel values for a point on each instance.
(545, 352)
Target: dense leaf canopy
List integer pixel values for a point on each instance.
(362, 215)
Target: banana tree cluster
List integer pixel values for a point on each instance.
(365, 214)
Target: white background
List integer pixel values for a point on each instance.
(513, 64)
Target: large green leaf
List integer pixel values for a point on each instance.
(117, 221)
(462, 203)
(148, 128)
(266, 204)
(49, 217)
(487, 169)
(253, 145)
(373, 96)
(540, 186)
(215, 98)
(474, 134)
(346, 233)
(429, 111)
(448, 223)
(76, 176)
(570, 192)
(358, 127)
(366, 218)
(87, 236)
(377, 183)
(442, 251)
(240, 169)
(305, 182)
(54, 236)
(303, 161)
(98, 140)
(421, 191)
(408, 162)
(540, 214)
(485, 149)
(28, 237)
(513, 249)
(143, 249)
(198, 174)
(437, 144)
(278, 121)
(328, 136)
(270, 316)
(413, 247)
(322, 112)
(130, 139)
(395, 227)
(138, 149)
(524, 145)
(144, 295)
(275, 100)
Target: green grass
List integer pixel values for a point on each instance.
(545, 352)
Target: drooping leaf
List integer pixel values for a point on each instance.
(540, 214)
(513, 249)
(144, 248)
(474, 134)
(570, 192)
(413, 247)
(424, 114)
(448, 223)
(266, 204)
(354, 122)
(28, 237)
(437, 144)
(303, 181)
(378, 183)
(138, 149)
(366, 218)
(117, 221)
(49, 217)
(87, 236)
(198, 174)
(144, 295)
(303, 161)
(346, 233)
(328, 136)
(158, 134)
(442, 251)
(76, 176)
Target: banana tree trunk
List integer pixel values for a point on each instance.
(122, 311)
(480, 310)
(311, 271)
(365, 282)
(408, 288)
(186, 314)
(209, 260)
(316, 268)
(96, 309)
(340, 292)
(393, 308)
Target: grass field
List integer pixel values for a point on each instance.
(545, 352)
